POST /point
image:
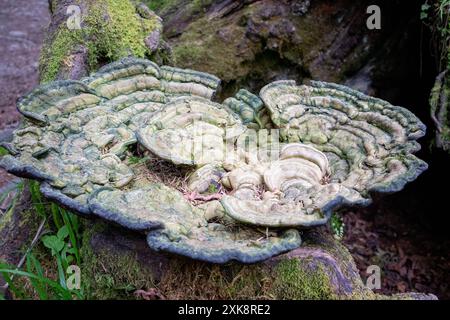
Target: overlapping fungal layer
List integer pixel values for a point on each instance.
(191, 131)
(250, 108)
(77, 133)
(368, 142)
(77, 140)
(291, 191)
(258, 167)
(181, 228)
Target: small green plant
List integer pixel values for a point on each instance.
(64, 248)
(61, 249)
(63, 221)
(424, 11)
(337, 226)
(44, 287)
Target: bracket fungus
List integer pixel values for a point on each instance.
(246, 174)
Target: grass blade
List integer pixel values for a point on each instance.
(72, 235)
(37, 285)
(64, 293)
(61, 273)
(37, 199)
(56, 216)
(16, 291)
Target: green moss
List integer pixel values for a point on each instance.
(295, 281)
(110, 276)
(160, 5)
(52, 57)
(200, 5)
(123, 33)
(289, 279)
(111, 30)
(187, 53)
(193, 7)
(250, 283)
(186, 279)
(200, 47)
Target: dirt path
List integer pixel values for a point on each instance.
(22, 26)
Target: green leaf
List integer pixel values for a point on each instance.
(37, 285)
(63, 232)
(53, 243)
(56, 216)
(72, 235)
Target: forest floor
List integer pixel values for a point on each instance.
(410, 257)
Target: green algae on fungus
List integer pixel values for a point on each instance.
(333, 147)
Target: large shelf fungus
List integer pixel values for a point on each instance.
(145, 147)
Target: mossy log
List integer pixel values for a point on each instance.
(117, 263)
(108, 30)
(440, 105)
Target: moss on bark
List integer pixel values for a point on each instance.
(108, 275)
(110, 30)
(117, 263)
